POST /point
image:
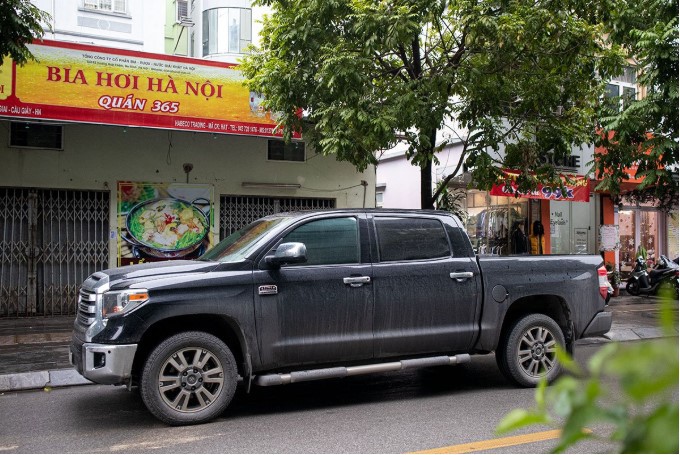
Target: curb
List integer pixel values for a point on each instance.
(41, 379)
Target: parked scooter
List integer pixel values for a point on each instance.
(663, 275)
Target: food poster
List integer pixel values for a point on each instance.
(164, 221)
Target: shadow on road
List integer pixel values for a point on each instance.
(94, 409)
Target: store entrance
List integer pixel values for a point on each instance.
(639, 231)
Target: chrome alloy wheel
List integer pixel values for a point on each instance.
(191, 379)
(537, 351)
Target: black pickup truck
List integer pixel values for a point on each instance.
(312, 295)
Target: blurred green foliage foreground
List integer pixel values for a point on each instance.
(627, 395)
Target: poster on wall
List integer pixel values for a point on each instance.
(93, 84)
(581, 240)
(164, 221)
(609, 237)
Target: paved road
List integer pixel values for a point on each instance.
(394, 413)
(388, 413)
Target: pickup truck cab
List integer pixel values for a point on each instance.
(302, 296)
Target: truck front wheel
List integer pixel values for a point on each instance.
(189, 378)
(527, 352)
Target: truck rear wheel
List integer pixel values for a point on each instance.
(189, 378)
(527, 352)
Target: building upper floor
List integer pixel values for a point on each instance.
(219, 30)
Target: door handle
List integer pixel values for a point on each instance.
(357, 281)
(461, 276)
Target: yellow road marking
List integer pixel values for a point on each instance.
(497, 443)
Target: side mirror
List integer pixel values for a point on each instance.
(287, 253)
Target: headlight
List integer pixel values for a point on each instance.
(117, 302)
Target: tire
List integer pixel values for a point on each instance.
(633, 287)
(189, 378)
(527, 351)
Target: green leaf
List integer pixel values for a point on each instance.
(520, 418)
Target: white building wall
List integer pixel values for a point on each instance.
(141, 29)
(97, 157)
(401, 183)
(399, 180)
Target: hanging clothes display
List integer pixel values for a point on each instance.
(493, 230)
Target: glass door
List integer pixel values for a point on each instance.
(639, 233)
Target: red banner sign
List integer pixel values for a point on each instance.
(90, 84)
(576, 189)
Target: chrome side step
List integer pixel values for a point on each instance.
(341, 372)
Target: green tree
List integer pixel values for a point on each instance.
(20, 23)
(644, 133)
(518, 75)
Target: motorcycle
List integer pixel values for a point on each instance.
(663, 276)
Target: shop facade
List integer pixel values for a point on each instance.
(645, 231)
(85, 158)
(582, 221)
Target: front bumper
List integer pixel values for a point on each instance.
(601, 324)
(103, 363)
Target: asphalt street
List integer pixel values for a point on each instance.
(397, 412)
(386, 413)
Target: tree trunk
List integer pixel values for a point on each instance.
(426, 199)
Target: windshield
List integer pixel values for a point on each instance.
(240, 243)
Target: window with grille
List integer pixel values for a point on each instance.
(113, 6)
(182, 9)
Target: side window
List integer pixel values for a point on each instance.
(408, 239)
(329, 241)
(462, 248)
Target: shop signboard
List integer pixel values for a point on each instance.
(163, 221)
(575, 189)
(91, 84)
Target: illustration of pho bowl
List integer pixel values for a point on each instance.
(167, 228)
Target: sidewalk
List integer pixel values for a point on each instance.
(34, 351)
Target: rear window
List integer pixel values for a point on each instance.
(411, 239)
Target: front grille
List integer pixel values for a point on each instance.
(87, 306)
